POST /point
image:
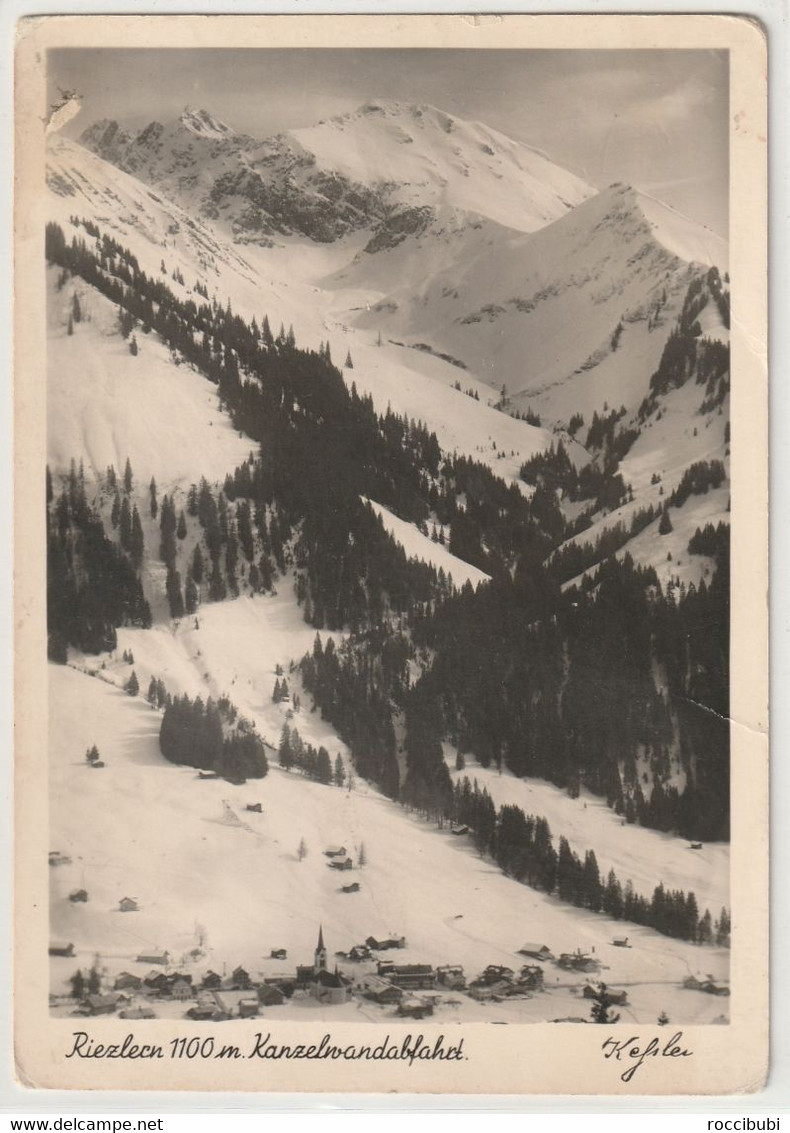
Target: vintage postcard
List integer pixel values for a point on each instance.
(391, 554)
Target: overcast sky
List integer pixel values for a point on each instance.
(655, 119)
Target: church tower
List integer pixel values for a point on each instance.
(320, 953)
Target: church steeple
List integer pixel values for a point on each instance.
(320, 952)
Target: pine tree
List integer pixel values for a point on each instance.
(600, 1011)
(181, 530)
(127, 477)
(154, 504)
(665, 526)
(362, 857)
(70, 327)
(285, 753)
(349, 363)
(136, 544)
(301, 852)
(132, 686)
(197, 564)
(663, 1019)
(340, 771)
(76, 309)
(133, 348)
(191, 596)
(77, 982)
(126, 524)
(151, 696)
(115, 514)
(94, 979)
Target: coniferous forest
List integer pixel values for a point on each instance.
(612, 683)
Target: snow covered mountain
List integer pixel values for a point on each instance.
(443, 261)
(388, 167)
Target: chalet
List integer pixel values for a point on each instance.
(128, 905)
(619, 998)
(494, 973)
(359, 952)
(155, 983)
(535, 951)
(181, 988)
(352, 888)
(56, 858)
(97, 763)
(269, 995)
(78, 895)
(100, 1004)
(531, 976)
(621, 942)
(162, 958)
(459, 830)
(451, 975)
(412, 976)
(59, 948)
(278, 954)
(335, 852)
(256, 808)
(210, 980)
(414, 1009)
(126, 981)
(695, 845)
(713, 988)
(380, 991)
(207, 775)
(240, 980)
(137, 1013)
(248, 1008)
(341, 863)
(203, 1011)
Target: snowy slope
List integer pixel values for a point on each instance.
(419, 546)
(103, 405)
(538, 312)
(248, 889)
(433, 158)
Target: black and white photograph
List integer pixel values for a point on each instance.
(388, 487)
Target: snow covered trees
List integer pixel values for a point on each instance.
(192, 733)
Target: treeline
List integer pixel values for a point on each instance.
(573, 559)
(314, 763)
(93, 586)
(697, 480)
(522, 846)
(192, 735)
(687, 354)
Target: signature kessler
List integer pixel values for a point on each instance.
(629, 1050)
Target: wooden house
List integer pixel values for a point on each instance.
(535, 951)
(381, 991)
(100, 1004)
(341, 863)
(256, 808)
(713, 988)
(278, 954)
(78, 895)
(181, 988)
(577, 962)
(336, 852)
(128, 905)
(162, 958)
(207, 775)
(269, 995)
(60, 948)
(621, 942)
(127, 981)
(459, 830)
(531, 976)
(211, 979)
(388, 942)
(495, 973)
(412, 976)
(155, 983)
(248, 1007)
(304, 976)
(352, 888)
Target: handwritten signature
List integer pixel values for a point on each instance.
(629, 1050)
